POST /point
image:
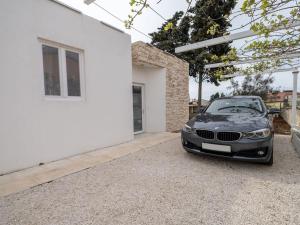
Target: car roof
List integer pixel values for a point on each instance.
(241, 96)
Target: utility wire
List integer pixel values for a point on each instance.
(157, 13)
(119, 19)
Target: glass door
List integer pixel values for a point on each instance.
(138, 109)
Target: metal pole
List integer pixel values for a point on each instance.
(294, 99)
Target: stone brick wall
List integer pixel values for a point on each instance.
(177, 81)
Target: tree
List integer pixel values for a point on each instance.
(275, 39)
(265, 17)
(216, 96)
(257, 85)
(194, 26)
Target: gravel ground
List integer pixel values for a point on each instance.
(165, 185)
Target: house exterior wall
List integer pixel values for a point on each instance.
(34, 129)
(154, 81)
(177, 75)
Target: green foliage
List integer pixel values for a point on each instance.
(137, 7)
(216, 96)
(213, 29)
(266, 18)
(168, 26)
(210, 19)
(206, 19)
(257, 85)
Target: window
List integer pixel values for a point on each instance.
(235, 105)
(62, 71)
(73, 73)
(51, 70)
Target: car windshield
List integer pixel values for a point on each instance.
(235, 105)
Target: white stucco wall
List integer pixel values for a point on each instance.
(154, 81)
(33, 129)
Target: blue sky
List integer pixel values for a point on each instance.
(149, 22)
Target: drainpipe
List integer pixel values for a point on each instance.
(294, 99)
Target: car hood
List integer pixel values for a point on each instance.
(229, 122)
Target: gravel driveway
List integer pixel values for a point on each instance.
(165, 185)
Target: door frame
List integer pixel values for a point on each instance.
(143, 107)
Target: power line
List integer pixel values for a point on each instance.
(157, 13)
(119, 19)
(161, 16)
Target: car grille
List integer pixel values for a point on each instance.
(228, 136)
(222, 136)
(207, 134)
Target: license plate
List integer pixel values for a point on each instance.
(218, 148)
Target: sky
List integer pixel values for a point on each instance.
(148, 22)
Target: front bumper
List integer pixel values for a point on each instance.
(244, 149)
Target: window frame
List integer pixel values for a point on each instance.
(63, 78)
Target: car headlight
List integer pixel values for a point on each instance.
(187, 128)
(262, 133)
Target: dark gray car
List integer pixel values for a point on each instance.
(233, 127)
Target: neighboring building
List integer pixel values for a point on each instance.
(193, 106)
(61, 75)
(280, 96)
(194, 102)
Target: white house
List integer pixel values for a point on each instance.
(66, 85)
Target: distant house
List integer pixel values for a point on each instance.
(193, 106)
(195, 102)
(62, 73)
(280, 96)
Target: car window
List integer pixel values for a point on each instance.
(236, 105)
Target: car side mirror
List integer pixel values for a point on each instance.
(273, 111)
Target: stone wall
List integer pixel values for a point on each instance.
(177, 81)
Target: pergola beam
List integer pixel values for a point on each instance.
(249, 61)
(228, 38)
(237, 74)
